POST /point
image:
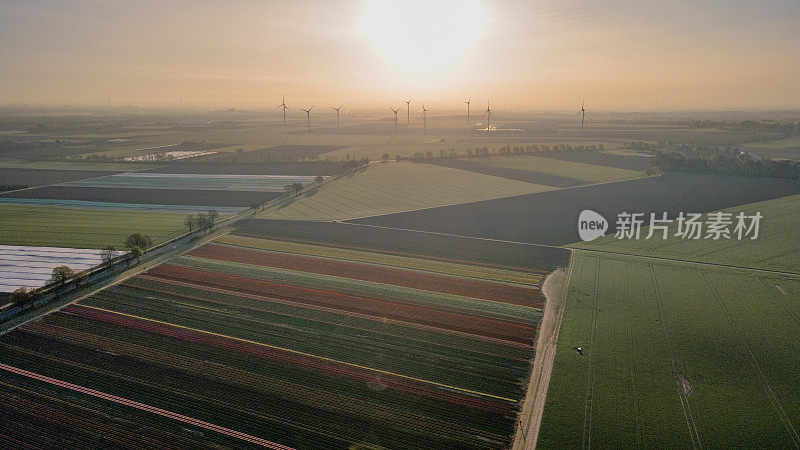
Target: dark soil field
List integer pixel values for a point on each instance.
(39, 177)
(514, 174)
(552, 217)
(386, 275)
(147, 196)
(255, 168)
(432, 246)
(602, 159)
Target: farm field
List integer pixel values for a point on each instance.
(617, 158)
(392, 187)
(403, 243)
(313, 168)
(83, 228)
(201, 182)
(88, 166)
(118, 206)
(18, 177)
(777, 247)
(552, 217)
(527, 176)
(577, 170)
(304, 345)
(674, 355)
(32, 266)
(147, 196)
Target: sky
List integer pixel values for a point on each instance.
(524, 54)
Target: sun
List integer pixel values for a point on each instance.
(419, 36)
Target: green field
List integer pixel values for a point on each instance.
(394, 187)
(776, 248)
(586, 172)
(653, 331)
(680, 354)
(83, 228)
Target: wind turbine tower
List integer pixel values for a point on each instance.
(308, 116)
(424, 117)
(283, 105)
(582, 113)
(488, 115)
(467, 102)
(408, 112)
(395, 118)
(337, 114)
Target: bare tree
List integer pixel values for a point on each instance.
(108, 254)
(190, 222)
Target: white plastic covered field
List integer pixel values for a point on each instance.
(32, 266)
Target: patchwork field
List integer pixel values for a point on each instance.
(202, 198)
(283, 344)
(83, 228)
(514, 173)
(32, 266)
(674, 355)
(393, 187)
(201, 182)
(552, 217)
(402, 243)
(82, 204)
(252, 168)
(19, 178)
(777, 247)
(587, 172)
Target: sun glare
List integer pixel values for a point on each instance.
(423, 37)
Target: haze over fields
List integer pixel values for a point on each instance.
(397, 224)
(619, 54)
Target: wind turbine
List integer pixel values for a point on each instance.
(488, 115)
(424, 117)
(337, 114)
(467, 102)
(582, 113)
(283, 105)
(308, 115)
(408, 112)
(395, 118)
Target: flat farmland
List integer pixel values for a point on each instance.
(628, 160)
(303, 345)
(196, 182)
(144, 207)
(401, 243)
(312, 168)
(37, 177)
(776, 248)
(674, 355)
(392, 187)
(591, 173)
(146, 196)
(32, 266)
(83, 228)
(552, 217)
(512, 173)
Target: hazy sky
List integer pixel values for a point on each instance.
(524, 54)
